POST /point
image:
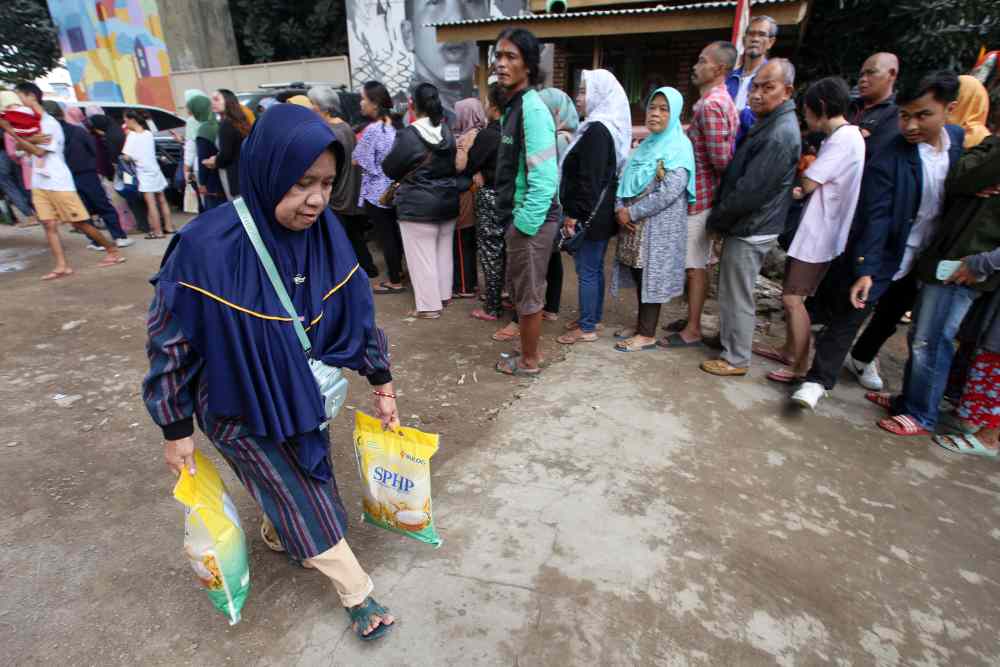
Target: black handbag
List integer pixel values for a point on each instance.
(571, 244)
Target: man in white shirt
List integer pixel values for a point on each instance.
(52, 189)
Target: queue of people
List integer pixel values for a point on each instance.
(868, 227)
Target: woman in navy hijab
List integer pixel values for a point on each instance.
(223, 349)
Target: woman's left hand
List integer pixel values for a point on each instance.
(210, 162)
(385, 408)
(569, 225)
(625, 219)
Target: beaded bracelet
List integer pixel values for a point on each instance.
(384, 394)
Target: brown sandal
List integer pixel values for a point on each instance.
(576, 336)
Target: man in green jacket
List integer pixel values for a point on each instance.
(970, 225)
(527, 184)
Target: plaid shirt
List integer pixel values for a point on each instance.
(712, 132)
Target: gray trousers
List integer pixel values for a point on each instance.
(738, 269)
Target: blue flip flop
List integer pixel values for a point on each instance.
(676, 340)
(361, 619)
(966, 443)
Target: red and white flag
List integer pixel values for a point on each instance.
(740, 24)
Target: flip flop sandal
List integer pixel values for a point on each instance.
(950, 420)
(623, 346)
(361, 618)
(509, 366)
(385, 288)
(903, 425)
(880, 398)
(56, 275)
(625, 333)
(502, 337)
(772, 354)
(676, 326)
(550, 317)
(966, 444)
(153, 237)
(270, 540)
(676, 340)
(425, 314)
(480, 314)
(463, 295)
(785, 376)
(722, 368)
(576, 336)
(111, 261)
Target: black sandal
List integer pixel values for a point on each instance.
(386, 288)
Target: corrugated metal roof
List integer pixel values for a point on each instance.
(658, 9)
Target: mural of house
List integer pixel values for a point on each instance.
(114, 50)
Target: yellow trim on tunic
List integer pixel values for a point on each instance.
(277, 318)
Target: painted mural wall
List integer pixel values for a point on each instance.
(114, 50)
(390, 43)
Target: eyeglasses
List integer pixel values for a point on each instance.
(758, 33)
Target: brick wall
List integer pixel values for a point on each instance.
(559, 67)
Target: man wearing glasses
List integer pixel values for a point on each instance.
(757, 42)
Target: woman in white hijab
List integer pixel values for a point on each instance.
(587, 187)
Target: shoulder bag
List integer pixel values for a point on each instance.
(572, 243)
(388, 197)
(329, 380)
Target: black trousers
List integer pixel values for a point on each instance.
(834, 341)
(896, 302)
(464, 253)
(88, 186)
(553, 285)
(354, 227)
(649, 313)
(387, 230)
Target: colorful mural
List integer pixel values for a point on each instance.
(114, 50)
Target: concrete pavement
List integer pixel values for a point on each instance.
(619, 510)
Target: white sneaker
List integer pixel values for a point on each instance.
(94, 246)
(808, 395)
(867, 374)
(124, 243)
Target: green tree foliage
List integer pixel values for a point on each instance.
(925, 34)
(289, 29)
(29, 44)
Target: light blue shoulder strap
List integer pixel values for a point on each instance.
(272, 270)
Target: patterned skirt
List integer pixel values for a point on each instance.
(308, 515)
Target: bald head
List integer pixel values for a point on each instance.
(772, 86)
(878, 77)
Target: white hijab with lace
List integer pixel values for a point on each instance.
(607, 103)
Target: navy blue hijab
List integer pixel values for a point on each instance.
(218, 291)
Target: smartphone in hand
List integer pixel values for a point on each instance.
(947, 267)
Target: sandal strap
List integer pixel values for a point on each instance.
(362, 613)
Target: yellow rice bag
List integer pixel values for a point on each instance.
(395, 471)
(213, 539)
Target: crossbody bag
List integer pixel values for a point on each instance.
(388, 197)
(573, 242)
(329, 380)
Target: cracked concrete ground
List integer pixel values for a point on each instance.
(620, 510)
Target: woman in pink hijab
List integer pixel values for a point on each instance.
(470, 117)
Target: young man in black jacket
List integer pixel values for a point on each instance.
(750, 210)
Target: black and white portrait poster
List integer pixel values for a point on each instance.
(389, 42)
